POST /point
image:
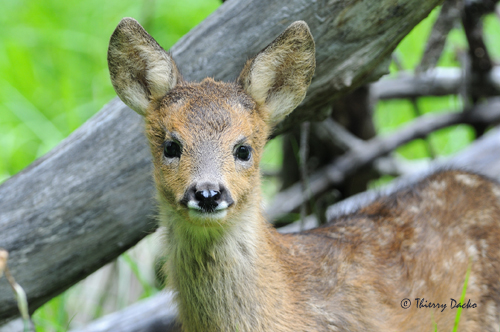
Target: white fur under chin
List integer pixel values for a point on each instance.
(208, 216)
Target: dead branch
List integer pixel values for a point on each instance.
(290, 199)
(478, 62)
(304, 181)
(157, 313)
(394, 166)
(450, 13)
(473, 27)
(435, 82)
(333, 132)
(481, 156)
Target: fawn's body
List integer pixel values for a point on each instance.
(233, 272)
(353, 274)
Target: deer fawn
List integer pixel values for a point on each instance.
(232, 271)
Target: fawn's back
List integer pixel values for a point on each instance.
(417, 243)
(232, 271)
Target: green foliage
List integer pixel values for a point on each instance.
(491, 25)
(53, 70)
(54, 316)
(462, 298)
(271, 161)
(391, 114)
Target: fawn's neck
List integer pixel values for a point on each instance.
(230, 281)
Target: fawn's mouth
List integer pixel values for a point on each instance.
(202, 212)
(212, 215)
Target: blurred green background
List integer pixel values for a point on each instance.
(53, 70)
(53, 77)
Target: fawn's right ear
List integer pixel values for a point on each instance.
(141, 70)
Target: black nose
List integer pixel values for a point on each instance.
(208, 199)
(207, 196)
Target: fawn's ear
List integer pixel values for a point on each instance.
(278, 77)
(141, 70)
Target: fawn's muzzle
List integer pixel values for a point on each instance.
(207, 197)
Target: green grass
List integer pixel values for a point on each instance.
(54, 76)
(462, 298)
(53, 316)
(53, 71)
(148, 288)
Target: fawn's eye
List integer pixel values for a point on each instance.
(172, 149)
(243, 153)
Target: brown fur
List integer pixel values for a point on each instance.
(236, 273)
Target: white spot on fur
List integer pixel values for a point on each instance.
(492, 312)
(439, 185)
(420, 284)
(435, 222)
(496, 191)
(447, 264)
(472, 251)
(436, 277)
(484, 247)
(413, 209)
(460, 256)
(466, 179)
(454, 231)
(472, 284)
(435, 197)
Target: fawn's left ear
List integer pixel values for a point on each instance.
(141, 70)
(278, 77)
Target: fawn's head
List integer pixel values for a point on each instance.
(207, 138)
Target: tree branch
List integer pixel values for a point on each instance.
(481, 156)
(333, 132)
(157, 313)
(324, 179)
(435, 82)
(473, 27)
(398, 166)
(450, 13)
